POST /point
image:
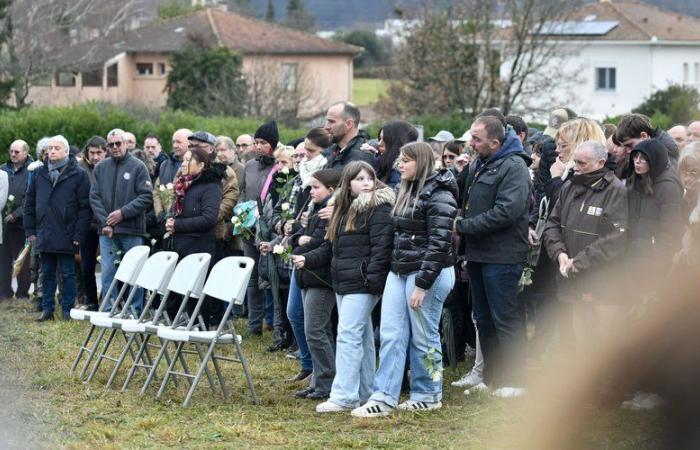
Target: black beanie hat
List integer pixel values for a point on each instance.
(268, 132)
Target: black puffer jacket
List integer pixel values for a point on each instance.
(423, 237)
(316, 229)
(655, 221)
(360, 259)
(194, 228)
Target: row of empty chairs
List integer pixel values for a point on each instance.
(162, 274)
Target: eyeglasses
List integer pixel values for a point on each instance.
(449, 157)
(115, 144)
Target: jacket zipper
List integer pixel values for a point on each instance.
(114, 187)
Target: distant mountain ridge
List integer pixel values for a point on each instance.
(370, 14)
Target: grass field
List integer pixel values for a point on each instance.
(55, 409)
(366, 91)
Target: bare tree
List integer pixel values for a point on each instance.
(479, 54)
(286, 91)
(42, 31)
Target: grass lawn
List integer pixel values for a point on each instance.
(366, 91)
(58, 410)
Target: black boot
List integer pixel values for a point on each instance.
(46, 315)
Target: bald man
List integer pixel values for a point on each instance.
(245, 148)
(13, 230)
(680, 136)
(169, 167)
(694, 132)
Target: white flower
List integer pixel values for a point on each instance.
(169, 186)
(153, 241)
(162, 188)
(285, 170)
(437, 376)
(285, 206)
(10, 198)
(235, 220)
(278, 249)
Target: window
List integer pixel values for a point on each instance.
(65, 79)
(42, 80)
(92, 78)
(288, 77)
(161, 68)
(113, 75)
(686, 73)
(144, 69)
(697, 73)
(606, 79)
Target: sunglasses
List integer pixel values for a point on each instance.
(115, 144)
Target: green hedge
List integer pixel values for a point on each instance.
(79, 123)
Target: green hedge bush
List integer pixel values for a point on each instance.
(79, 123)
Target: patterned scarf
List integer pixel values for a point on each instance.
(182, 184)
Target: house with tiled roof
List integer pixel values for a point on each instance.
(134, 69)
(624, 51)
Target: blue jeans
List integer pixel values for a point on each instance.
(355, 357)
(295, 314)
(269, 307)
(403, 330)
(108, 253)
(65, 263)
(501, 330)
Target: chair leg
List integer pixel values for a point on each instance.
(156, 362)
(83, 348)
(202, 368)
(220, 375)
(170, 368)
(121, 359)
(206, 369)
(101, 356)
(246, 369)
(92, 351)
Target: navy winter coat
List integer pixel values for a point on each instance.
(58, 215)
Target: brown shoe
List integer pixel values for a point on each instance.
(303, 375)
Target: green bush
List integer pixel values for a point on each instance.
(79, 123)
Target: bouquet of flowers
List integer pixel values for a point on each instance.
(245, 216)
(10, 205)
(166, 194)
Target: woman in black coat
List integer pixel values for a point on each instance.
(195, 211)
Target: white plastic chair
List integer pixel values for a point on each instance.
(188, 281)
(227, 282)
(127, 272)
(154, 276)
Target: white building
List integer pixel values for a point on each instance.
(625, 51)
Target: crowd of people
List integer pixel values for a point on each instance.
(361, 242)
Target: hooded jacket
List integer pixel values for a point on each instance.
(18, 182)
(497, 203)
(360, 259)
(58, 214)
(126, 185)
(423, 236)
(589, 224)
(316, 230)
(338, 157)
(655, 220)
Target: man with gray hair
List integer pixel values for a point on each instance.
(56, 219)
(585, 233)
(129, 141)
(120, 197)
(18, 176)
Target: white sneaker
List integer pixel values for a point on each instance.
(372, 408)
(643, 401)
(330, 407)
(413, 405)
(481, 387)
(470, 379)
(509, 392)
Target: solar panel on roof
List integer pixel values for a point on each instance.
(572, 28)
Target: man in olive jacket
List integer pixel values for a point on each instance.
(120, 197)
(494, 231)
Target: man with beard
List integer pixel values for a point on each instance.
(342, 121)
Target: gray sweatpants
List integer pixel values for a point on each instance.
(318, 307)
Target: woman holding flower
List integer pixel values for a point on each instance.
(421, 277)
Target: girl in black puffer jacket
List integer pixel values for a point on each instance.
(358, 249)
(421, 277)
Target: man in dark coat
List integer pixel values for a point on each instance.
(13, 232)
(342, 121)
(56, 218)
(495, 230)
(634, 128)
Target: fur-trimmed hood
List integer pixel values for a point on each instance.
(367, 201)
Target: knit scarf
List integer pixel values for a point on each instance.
(55, 169)
(308, 166)
(182, 184)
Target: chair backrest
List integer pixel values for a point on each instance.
(190, 274)
(131, 264)
(229, 278)
(157, 271)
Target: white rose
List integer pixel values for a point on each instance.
(285, 170)
(162, 188)
(11, 198)
(153, 241)
(235, 220)
(278, 249)
(169, 186)
(285, 206)
(437, 376)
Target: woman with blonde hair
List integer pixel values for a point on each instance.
(421, 277)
